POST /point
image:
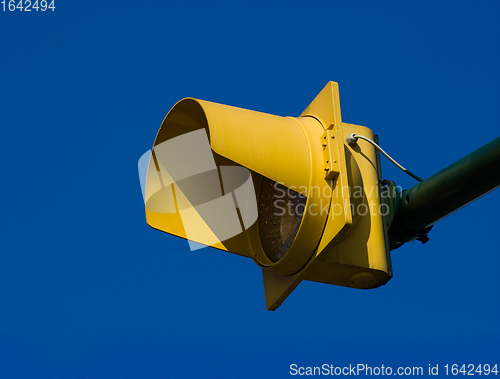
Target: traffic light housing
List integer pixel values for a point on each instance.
(287, 192)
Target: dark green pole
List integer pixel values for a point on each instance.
(443, 193)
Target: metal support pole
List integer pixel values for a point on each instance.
(443, 193)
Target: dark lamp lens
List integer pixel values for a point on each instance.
(280, 212)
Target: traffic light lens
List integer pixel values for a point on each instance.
(280, 212)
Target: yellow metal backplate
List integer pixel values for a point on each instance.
(326, 109)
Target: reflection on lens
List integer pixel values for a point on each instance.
(280, 213)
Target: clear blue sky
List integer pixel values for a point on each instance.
(87, 289)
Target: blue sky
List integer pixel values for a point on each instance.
(87, 289)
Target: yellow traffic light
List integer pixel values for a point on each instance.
(287, 192)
